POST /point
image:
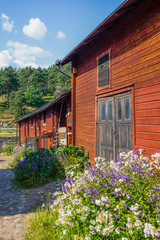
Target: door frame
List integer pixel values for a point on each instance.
(111, 93)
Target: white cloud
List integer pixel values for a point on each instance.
(7, 24)
(5, 59)
(22, 55)
(22, 64)
(61, 35)
(35, 29)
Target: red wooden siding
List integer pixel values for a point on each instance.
(135, 61)
(22, 132)
(50, 126)
(147, 118)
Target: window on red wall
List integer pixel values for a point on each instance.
(49, 113)
(104, 70)
(32, 122)
(37, 122)
(44, 117)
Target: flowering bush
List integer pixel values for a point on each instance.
(37, 168)
(111, 200)
(73, 158)
(19, 152)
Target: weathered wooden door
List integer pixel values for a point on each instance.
(114, 125)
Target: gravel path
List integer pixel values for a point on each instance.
(16, 205)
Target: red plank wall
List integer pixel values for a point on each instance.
(22, 132)
(147, 117)
(135, 61)
(39, 127)
(32, 128)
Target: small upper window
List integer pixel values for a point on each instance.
(103, 71)
(37, 121)
(49, 113)
(44, 116)
(32, 122)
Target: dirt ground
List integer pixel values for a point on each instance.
(16, 205)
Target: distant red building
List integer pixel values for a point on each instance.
(49, 125)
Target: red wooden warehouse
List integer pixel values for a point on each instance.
(49, 125)
(116, 82)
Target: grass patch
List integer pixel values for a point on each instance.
(7, 132)
(43, 226)
(47, 99)
(5, 114)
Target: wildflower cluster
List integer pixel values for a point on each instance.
(111, 200)
(156, 161)
(19, 152)
(37, 168)
(73, 158)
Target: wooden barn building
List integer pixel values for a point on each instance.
(49, 125)
(116, 82)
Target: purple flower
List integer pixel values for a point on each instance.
(96, 190)
(89, 191)
(125, 206)
(129, 195)
(123, 228)
(106, 186)
(63, 189)
(66, 188)
(116, 194)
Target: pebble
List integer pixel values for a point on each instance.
(18, 205)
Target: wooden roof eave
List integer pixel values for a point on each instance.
(110, 21)
(46, 106)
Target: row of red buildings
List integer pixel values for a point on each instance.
(115, 97)
(49, 125)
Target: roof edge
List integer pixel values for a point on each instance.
(44, 107)
(113, 16)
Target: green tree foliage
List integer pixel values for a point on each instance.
(18, 104)
(9, 80)
(23, 75)
(33, 97)
(29, 85)
(37, 79)
(1, 83)
(58, 82)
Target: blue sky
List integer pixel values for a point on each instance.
(37, 32)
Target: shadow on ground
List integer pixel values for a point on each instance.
(14, 200)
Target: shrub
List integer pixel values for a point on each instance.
(116, 200)
(72, 158)
(19, 152)
(9, 149)
(37, 168)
